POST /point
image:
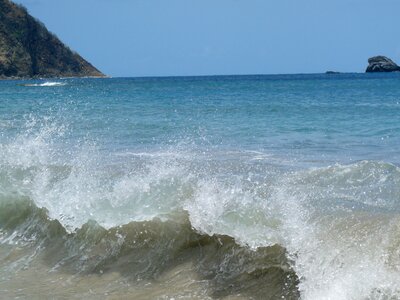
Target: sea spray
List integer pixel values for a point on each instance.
(341, 228)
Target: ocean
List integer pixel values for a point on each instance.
(214, 187)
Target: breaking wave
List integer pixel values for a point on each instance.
(211, 227)
(144, 251)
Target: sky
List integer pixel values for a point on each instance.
(126, 38)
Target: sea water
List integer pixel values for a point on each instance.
(220, 187)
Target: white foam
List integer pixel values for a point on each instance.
(75, 183)
(47, 84)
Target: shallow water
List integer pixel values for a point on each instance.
(241, 187)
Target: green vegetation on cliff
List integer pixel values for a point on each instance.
(28, 49)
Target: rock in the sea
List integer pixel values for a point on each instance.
(381, 64)
(28, 49)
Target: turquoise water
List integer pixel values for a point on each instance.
(305, 163)
(335, 118)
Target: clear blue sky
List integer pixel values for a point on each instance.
(207, 37)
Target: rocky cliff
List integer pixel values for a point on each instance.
(28, 49)
(381, 64)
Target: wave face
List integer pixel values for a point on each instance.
(155, 252)
(98, 204)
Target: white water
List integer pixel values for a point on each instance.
(47, 84)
